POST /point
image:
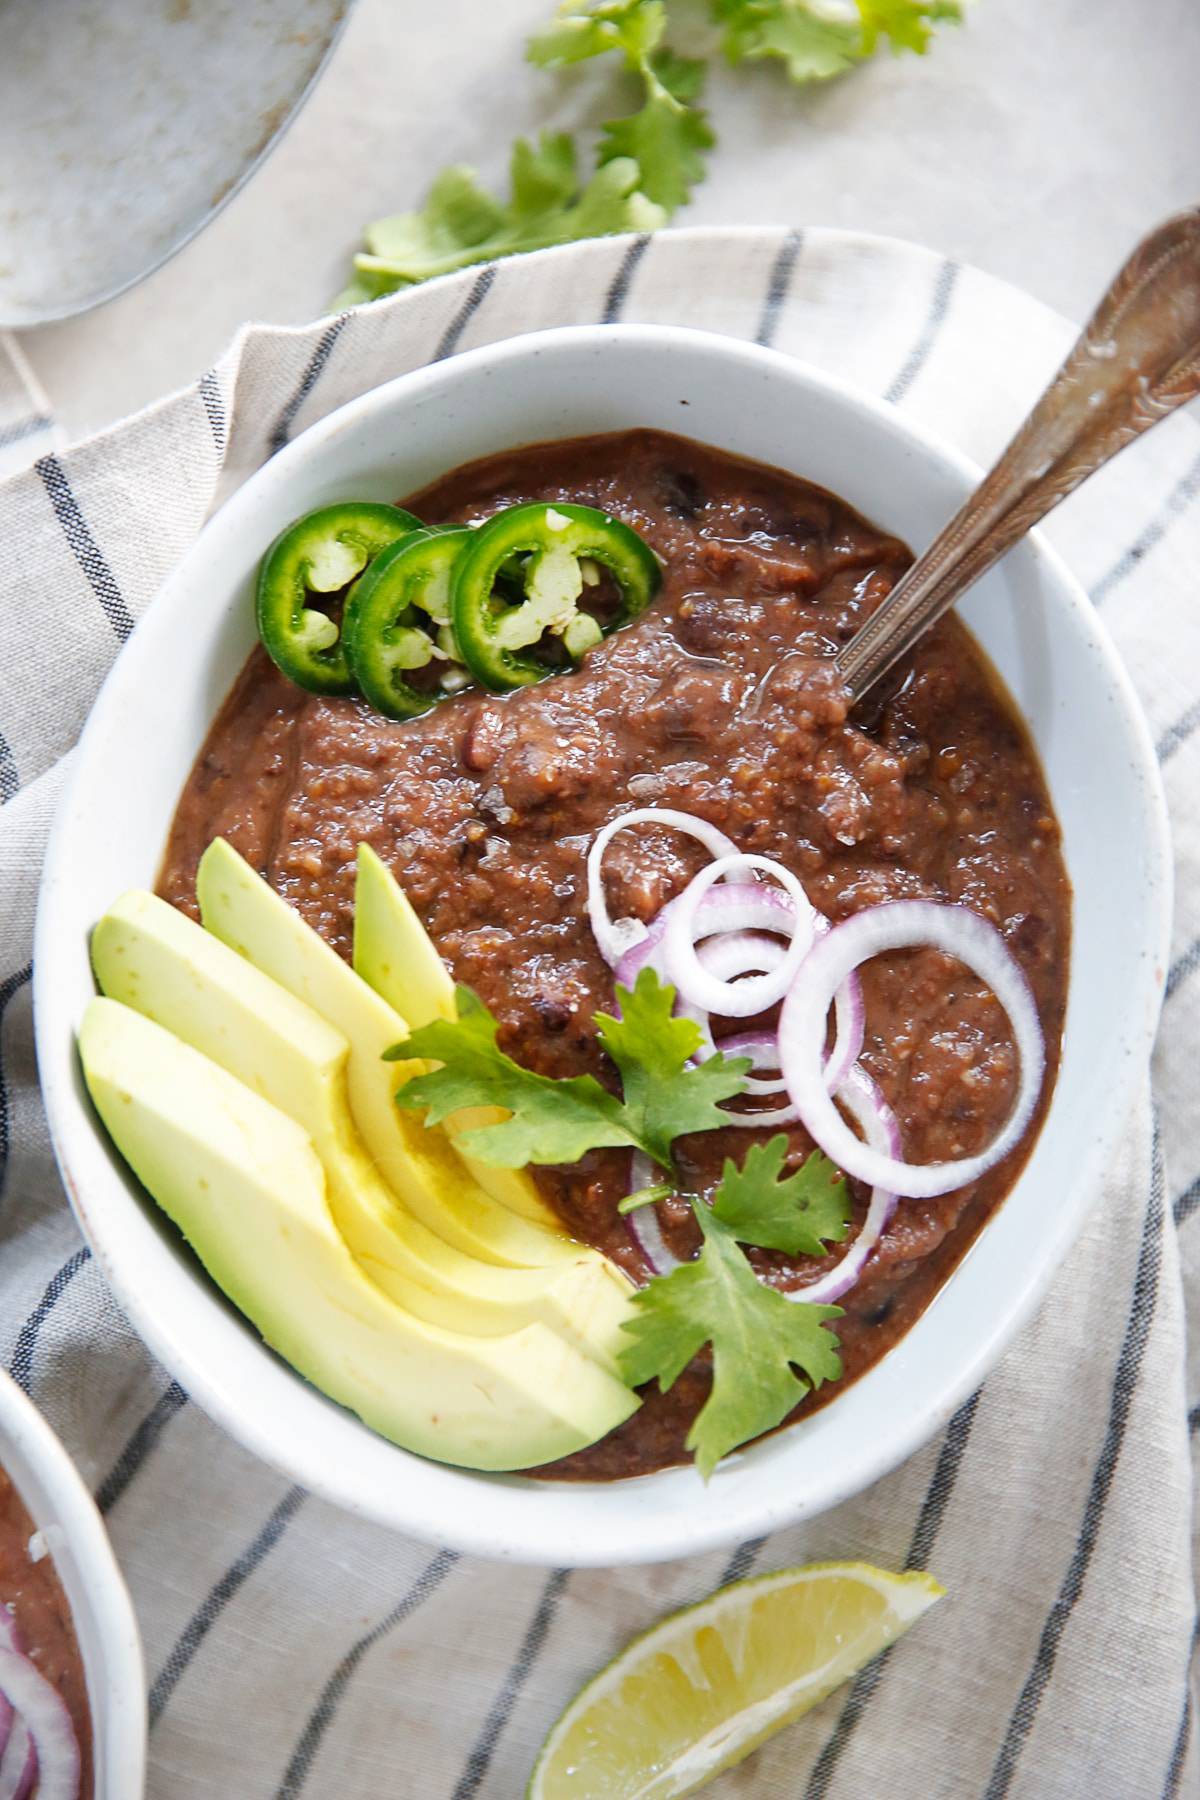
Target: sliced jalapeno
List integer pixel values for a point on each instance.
(551, 550)
(320, 554)
(398, 619)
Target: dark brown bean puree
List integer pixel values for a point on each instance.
(33, 1593)
(713, 703)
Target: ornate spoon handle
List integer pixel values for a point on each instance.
(1136, 360)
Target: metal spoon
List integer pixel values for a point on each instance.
(1136, 360)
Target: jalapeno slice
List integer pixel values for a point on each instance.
(320, 554)
(552, 546)
(398, 619)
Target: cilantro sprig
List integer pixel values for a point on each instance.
(669, 133)
(647, 161)
(767, 1351)
(557, 1121)
(815, 44)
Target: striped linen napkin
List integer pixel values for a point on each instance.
(296, 1651)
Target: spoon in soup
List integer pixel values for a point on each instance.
(1136, 360)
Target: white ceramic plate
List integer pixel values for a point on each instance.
(152, 717)
(65, 1513)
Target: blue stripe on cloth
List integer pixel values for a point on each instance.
(11, 985)
(312, 374)
(518, 1673)
(918, 356)
(140, 1447)
(218, 1598)
(1129, 1362)
(929, 1523)
(1177, 502)
(10, 779)
(1185, 965)
(1177, 735)
(778, 283)
(325, 1710)
(21, 1367)
(1187, 1202)
(742, 1560)
(618, 292)
(452, 336)
(209, 389)
(83, 545)
(1180, 1750)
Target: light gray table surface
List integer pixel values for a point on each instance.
(1038, 141)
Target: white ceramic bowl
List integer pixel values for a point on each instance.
(152, 717)
(63, 1510)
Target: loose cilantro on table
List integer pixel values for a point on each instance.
(815, 43)
(767, 1351)
(668, 134)
(648, 161)
(461, 223)
(558, 1121)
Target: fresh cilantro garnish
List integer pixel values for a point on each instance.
(558, 1121)
(798, 1213)
(664, 1098)
(906, 24)
(815, 43)
(767, 1351)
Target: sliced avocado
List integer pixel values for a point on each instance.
(241, 909)
(393, 952)
(244, 1184)
(396, 956)
(147, 955)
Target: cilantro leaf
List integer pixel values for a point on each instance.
(664, 1098)
(668, 133)
(557, 1121)
(907, 24)
(461, 223)
(767, 1351)
(816, 44)
(582, 29)
(552, 1121)
(667, 136)
(798, 1213)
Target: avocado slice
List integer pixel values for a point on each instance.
(245, 1186)
(393, 952)
(241, 909)
(151, 957)
(396, 956)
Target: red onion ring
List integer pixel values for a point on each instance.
(52, 1755)
(904, 925)
(730, 1000)
(18, 1764)
(615, 937)
(864, 1102)
(726, 958)
(642, 1223)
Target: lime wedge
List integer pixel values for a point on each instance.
(705, 1687)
